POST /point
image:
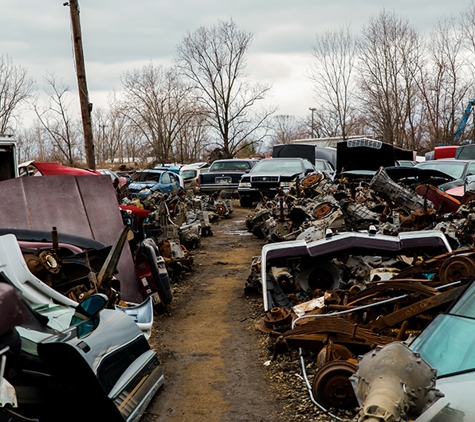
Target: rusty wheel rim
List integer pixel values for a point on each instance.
(332, 386)
(220, 209)
(322, 210)
(310, 180)
(457, 268)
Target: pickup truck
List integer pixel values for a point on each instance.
(223, 176)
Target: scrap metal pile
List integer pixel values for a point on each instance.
(320, 204)
(175, 223)
(351, 265)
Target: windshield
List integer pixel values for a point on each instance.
(452, 168)
(448, 343)
(320, 165)
(278, 166)
(146, 176)
(230, 166)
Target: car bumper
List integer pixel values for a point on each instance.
(258, 193)
(225, 191)
(250, 193)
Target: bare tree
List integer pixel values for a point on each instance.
(325, 123)
(389, 57)
(30, 144)
(284, 129)
(444, 84)
(214, 59)
(112, 130)
(193, 139)
(156, 104)
(15, 88)
(467, 25)
(58, 125)
(332, 73)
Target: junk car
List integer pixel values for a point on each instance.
(76, 353)
(191, 177)
(270, 175)
(223, 176)
(145, 182)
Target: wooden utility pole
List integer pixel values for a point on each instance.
(86, 106)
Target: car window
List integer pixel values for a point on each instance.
(279, 166)
(309, 166)
(231, 166)
(166, 178)
(146, 176)
(471, 169)
(320, 165)
(189, 174)
(444, 344)
(452, 168)
(139, 176)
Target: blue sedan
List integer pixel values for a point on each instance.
(145, 182)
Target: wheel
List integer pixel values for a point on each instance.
(332, 387)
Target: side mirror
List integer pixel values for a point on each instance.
(86, 315)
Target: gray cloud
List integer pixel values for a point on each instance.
(120, 35)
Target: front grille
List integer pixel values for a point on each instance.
(265, 179)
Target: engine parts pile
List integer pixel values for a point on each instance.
(348, 268)
(321, 204)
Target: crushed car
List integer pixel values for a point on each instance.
(58, 355)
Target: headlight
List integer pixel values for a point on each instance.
(286, 185)
(244, 184)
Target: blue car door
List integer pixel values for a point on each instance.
(168, 182)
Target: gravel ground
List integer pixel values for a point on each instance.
(284, 372)
(271, 389)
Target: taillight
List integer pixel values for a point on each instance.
(198, 181)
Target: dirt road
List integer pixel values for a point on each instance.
(207, 342)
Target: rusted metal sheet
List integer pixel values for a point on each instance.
(417, 308)
(76, 205)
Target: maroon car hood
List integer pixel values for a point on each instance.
(82, 206)
(55, 169)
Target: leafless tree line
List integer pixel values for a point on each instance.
(391, 84)
(388, 82)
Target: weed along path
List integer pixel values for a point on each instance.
(207, 341)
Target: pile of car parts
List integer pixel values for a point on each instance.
(350, 292)
(338, 205)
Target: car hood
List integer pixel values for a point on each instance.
(141, 185)
(280, 173)
(55, 169)
(418, 175)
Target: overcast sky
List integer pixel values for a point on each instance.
(121, 35)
